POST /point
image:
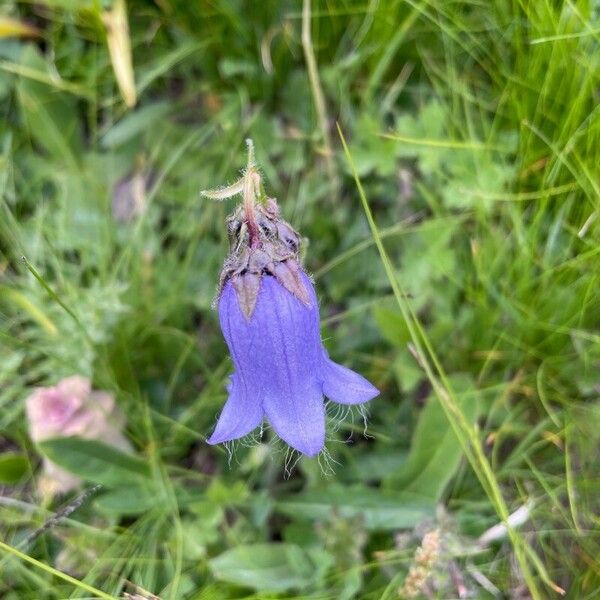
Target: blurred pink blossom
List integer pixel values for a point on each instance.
(72, 409)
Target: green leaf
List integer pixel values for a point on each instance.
(435, 452)
(165, 63)
(425, 129)
(407, 371)
(13, 467)
(392, 326)
(128, 500)
(230, 68)
(370, 150)
(475, 178)
(375, 465)
(50, 115)
(142, 495)
(135, 123)
(94, 461)
(428, 255)
(381, 509)
(28, 306)
(222, 493)
(273, 567)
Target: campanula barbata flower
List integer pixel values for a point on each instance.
(72, 409)
(269, 315)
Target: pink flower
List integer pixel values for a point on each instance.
(72, 409)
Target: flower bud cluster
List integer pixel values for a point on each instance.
(261, 243)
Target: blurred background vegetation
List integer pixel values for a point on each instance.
(474, 130)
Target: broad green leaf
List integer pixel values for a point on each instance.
(128, 500)
(381, 509)
(394, 330)
(95, 461)
(273, 567)
(142, 495)
(407, 371)
(435, 451)
(13, 467)
(392, 326)
(375, 465)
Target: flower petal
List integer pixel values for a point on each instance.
(289, 367)
(75, 386)
(298, 419)
(243, 338)
(243, 411)
(344, 386)
(240, 415)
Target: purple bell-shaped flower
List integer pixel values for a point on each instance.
(269, 316)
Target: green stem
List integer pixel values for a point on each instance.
(44, 567)
(465, 432)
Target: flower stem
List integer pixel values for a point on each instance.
(251, 189)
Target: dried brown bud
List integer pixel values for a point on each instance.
(260, 242)
(270, 247)
(246, 287)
